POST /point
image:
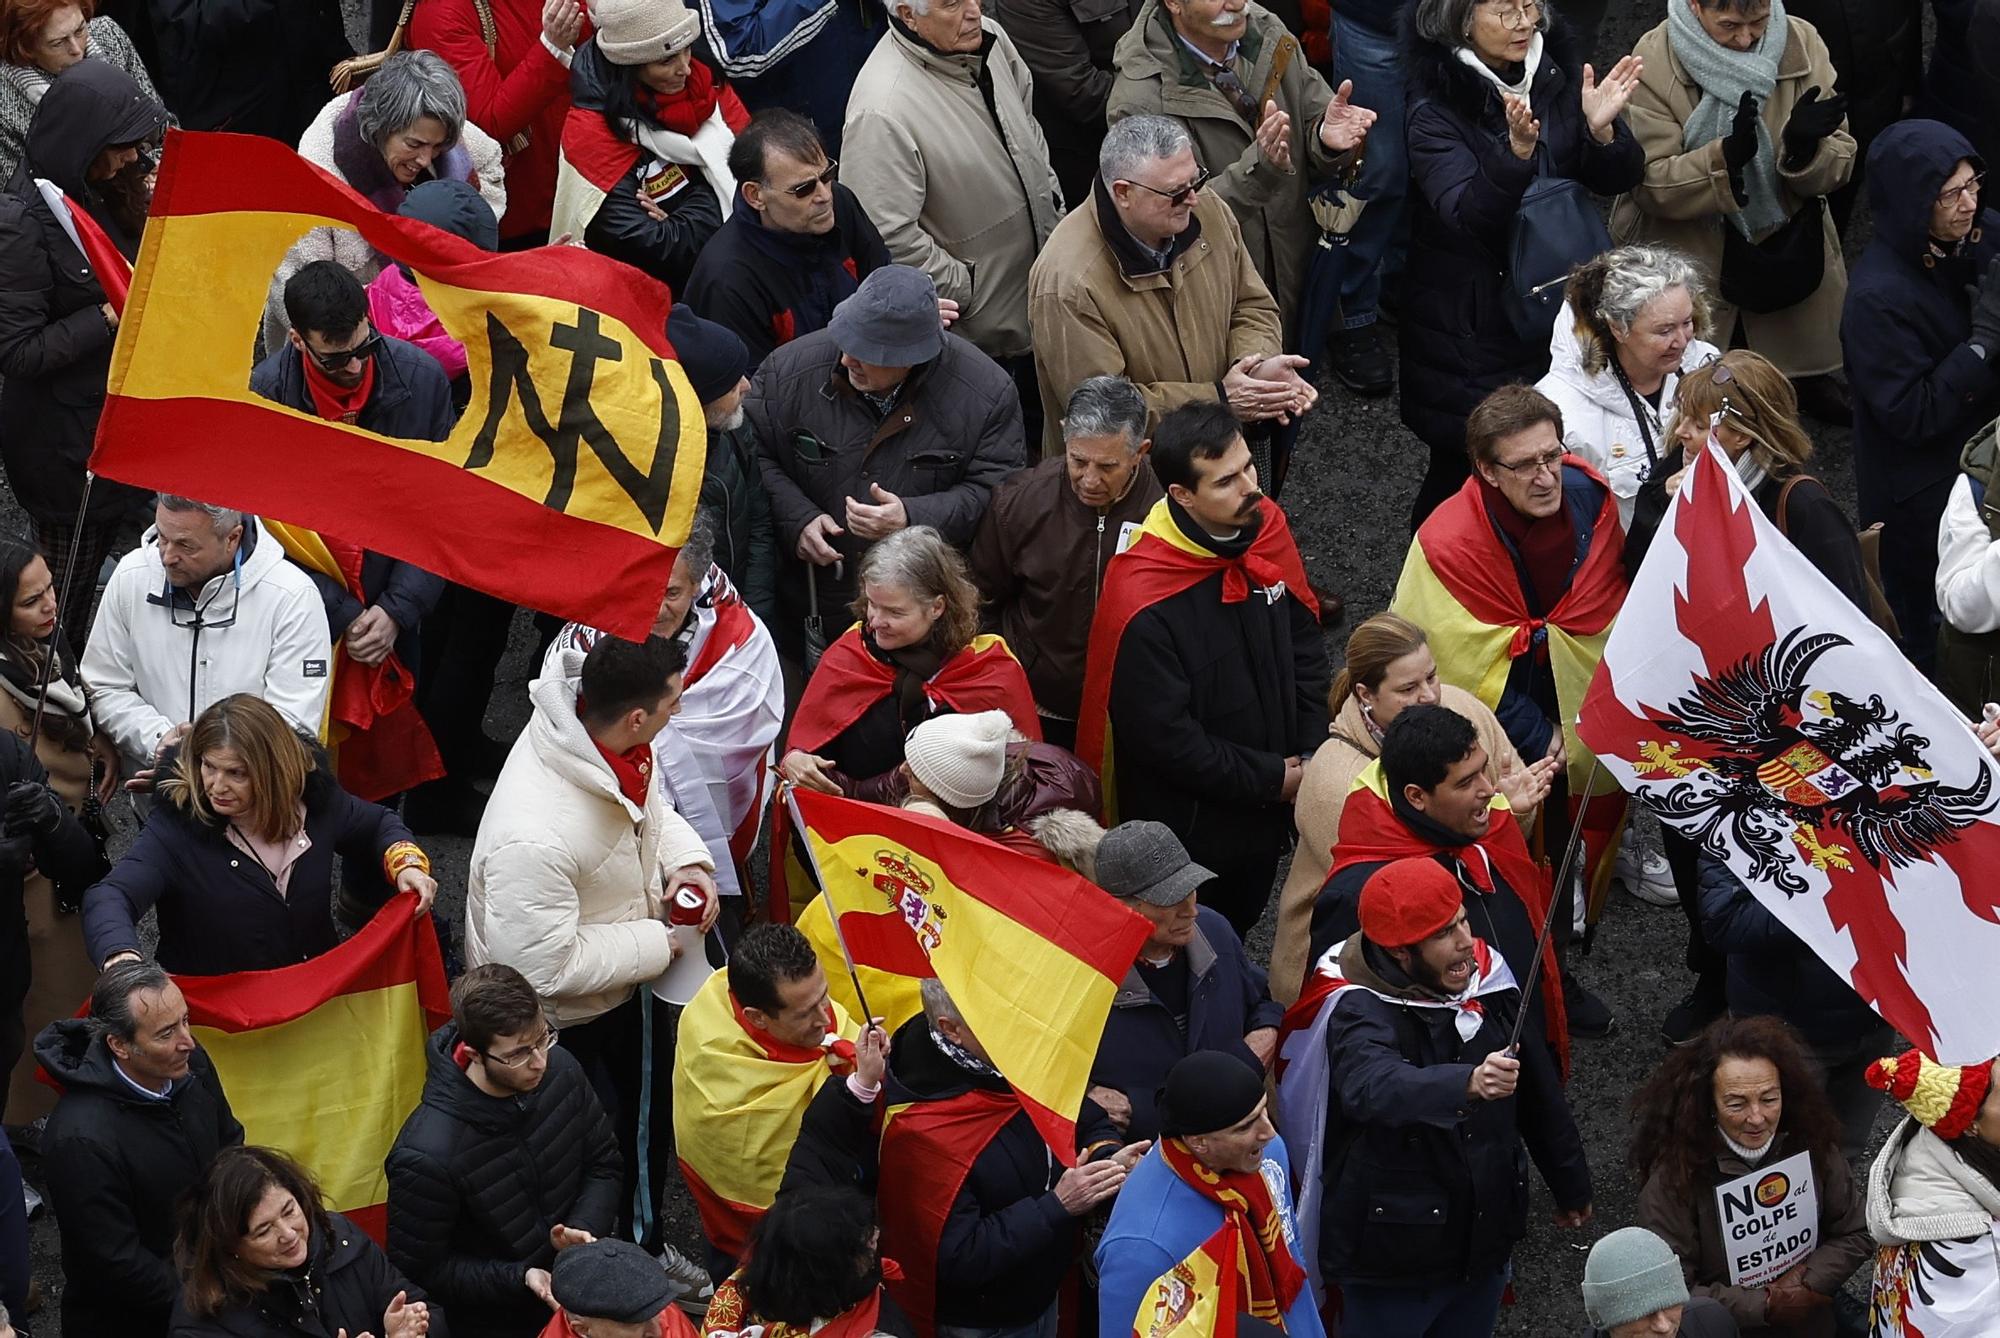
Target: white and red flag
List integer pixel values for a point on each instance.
(1752, 707)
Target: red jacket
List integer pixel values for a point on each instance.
(526, 89)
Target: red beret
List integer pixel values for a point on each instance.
(1407, 900)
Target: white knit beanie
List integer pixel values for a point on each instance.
(960, 758)
(639, 32)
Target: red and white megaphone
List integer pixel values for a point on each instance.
(692, 961)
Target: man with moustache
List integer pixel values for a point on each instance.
(1410, 1112)
(1206, 680)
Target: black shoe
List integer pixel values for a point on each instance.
(1332, 606)
(1589, 1016)
(1360, 361)
(444, 808)
(1825, 398)
(1691, 1016)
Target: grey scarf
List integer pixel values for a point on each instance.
(1725, 76)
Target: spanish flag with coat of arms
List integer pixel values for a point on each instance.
(570, 481)
(1197, 1297)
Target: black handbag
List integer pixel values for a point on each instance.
(1556, 228)
(1781, 271)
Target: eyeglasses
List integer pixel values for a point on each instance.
(335, 361)
(1948, 199)
(520, 1057)
(1720, 377)
(1525, 14)
(806, 189)
(1550, 460)
(1176, 197)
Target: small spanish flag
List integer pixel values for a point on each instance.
(1197, 1297)
(1030, 952)
(325, 1060)
(571, 479)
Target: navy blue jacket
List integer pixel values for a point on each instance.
(1228, 997)
(411, 399)
(1771, 970)
(1919, 390)
(219, 910)
(1457, 344)
(1423, 1186)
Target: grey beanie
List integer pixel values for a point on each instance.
(891, 320)
(1630, 1274)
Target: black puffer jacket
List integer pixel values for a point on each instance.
(116, 1164)
(55, 347)
(476, 1181)
(347, 1286)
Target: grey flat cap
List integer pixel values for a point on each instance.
(1145, 861)
(891, 320)
(611, 1280)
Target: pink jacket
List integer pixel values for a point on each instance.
(397, 307)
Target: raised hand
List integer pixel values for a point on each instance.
(1523, 130)
(1274, 137)
(1344, 126)
(1604, 101)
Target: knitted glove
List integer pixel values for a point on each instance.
(1810, 122)
(1739, 146)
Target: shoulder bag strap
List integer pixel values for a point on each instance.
(1784, 495)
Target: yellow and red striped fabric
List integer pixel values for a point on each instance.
(1030, 952)
(325, 1060)
(568, 484)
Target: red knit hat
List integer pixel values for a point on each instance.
(1407, 900)
(1943, 1098)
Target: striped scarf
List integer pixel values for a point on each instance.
(1269, 1277)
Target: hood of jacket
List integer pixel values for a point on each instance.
(1151, 49)
(448, 1090)
(1431, 70)
(591, 83)
(90, 106)
(961, 66)
(1907, 166)
(558, 737)
(1374, 972)
(1566, 358)
(1919, 1189)
(923, 1072)
(77, 1057)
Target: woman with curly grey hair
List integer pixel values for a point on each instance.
(404, 127)
(1632, 324)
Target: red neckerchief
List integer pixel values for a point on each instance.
(337, 403)
(685, 111)
(839, 1055)
(633, 768)
(1271, 1278)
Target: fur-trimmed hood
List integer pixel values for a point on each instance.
(1431, 70)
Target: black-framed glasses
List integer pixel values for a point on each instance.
(1949, 198)
(1550, 460)
(515, 1059)
(806, 189)
(337, 360)
(1181, 196)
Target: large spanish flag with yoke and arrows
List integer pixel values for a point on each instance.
(570, 481)
(1030, 952)
(325, 1060)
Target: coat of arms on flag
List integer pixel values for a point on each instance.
(1756, 710)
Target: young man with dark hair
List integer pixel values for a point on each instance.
(795, 245)
(1207, 675)
(754, 1047)
(576, 863)
(141, 1116)
(1517, 577)
(508, 1161)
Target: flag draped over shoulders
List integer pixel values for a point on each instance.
(984, 676)
(928, 1148)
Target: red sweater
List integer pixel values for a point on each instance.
(527, 89)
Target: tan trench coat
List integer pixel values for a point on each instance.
(1684, 195)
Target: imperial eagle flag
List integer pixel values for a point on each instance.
(568, 484)
(1746, 702)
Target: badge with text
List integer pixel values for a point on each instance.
(1770, 1220)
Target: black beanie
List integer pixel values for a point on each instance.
(1208, 1091)
(713, 356)
(456, 207)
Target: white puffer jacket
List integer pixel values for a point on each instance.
(1938, 1223)
(567, 873)
(1598, 422)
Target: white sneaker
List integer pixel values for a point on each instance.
(33, 1199)
(1646, 875)
(693, 1287)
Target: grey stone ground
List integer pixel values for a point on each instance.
(1348, 496)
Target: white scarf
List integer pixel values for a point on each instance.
(1751, 1156)
(1519, 89)
(708, 150)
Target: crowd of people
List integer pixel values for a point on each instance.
(1002, 320)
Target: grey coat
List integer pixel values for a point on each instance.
(21, 88)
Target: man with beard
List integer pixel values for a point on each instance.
(1411, 1111)
(1205, 684)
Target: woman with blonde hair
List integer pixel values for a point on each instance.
(913, 653)
(237, 855)
(1388, 667)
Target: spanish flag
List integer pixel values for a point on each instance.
(1030, 952)
(570, 481)
(325, 1060)
(1159, 564)
(1197, 1297)
(739, 1094)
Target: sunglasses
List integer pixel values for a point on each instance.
(338, 360)
(806, 189)
(1181, 196)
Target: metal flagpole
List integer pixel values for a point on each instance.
(62, 599)
(1549, 921)
(799, 825)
